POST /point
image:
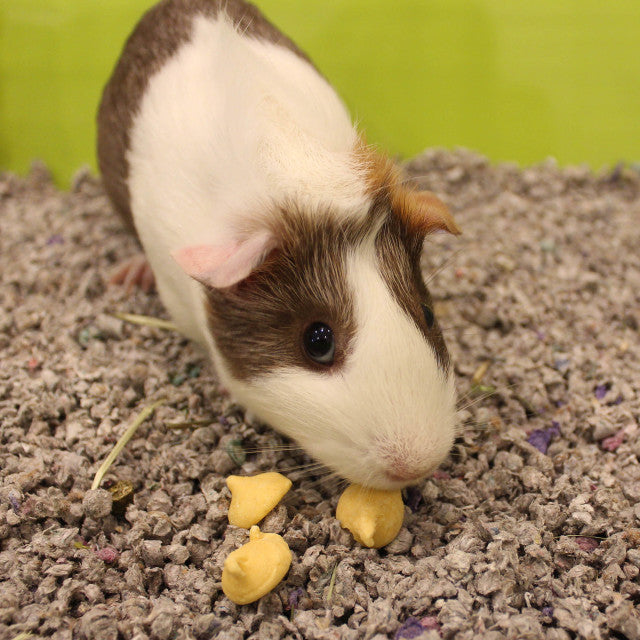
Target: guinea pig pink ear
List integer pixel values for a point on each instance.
(220, 266)
(425, 213)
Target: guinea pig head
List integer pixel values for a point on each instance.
(324, 328)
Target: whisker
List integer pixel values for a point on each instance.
(470, 394)
(327, 478)
(496, 389)
(475, 401)
(476, 424)
(308, 466)
(326, 481)
(477, 429)
(272, 448)
(341, 483)
(461, 330)
(472, 402)
(443, 266)
(328, 474)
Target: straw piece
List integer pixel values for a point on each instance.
(146, 321)
(124, 438)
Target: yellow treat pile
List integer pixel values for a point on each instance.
(373, 516)
(253, 497)
(256, 567)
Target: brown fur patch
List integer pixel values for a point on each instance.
(421, 211)
(155, 39)
(258, 324)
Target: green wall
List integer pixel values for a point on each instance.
(514, 80)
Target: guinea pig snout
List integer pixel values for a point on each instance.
(398, 469)
(402, 465)
(404, 459)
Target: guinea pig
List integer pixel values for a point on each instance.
(279, 239)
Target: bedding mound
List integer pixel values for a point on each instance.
(531, 528)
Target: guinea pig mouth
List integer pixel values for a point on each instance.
(399, 466)
(403, 476)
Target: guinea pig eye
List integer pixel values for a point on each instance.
(319, 343)
(429, 318)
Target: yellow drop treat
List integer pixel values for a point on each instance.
(255, 568)
(252, 497)
(373, 516)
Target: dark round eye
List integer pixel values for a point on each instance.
(429, 318)
(319, 343)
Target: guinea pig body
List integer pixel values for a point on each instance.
(279, 240)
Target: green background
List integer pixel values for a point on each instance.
(516, 80)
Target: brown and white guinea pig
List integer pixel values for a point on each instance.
(279, 240)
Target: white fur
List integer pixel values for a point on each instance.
(391, 402)
(227, 128)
